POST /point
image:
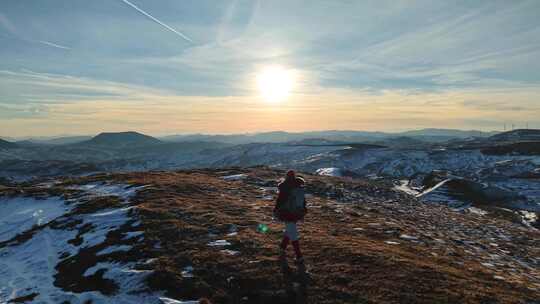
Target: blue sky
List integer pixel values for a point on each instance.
(81, 67)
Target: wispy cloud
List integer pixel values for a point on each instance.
(54, 45)
(50, 88)
(157, 21)
(16, 111)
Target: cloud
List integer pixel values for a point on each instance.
(502, 106)
(414, 47)
(14, 112)
(362, 64)
(162, 113)
(58, 88)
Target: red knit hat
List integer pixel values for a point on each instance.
(291, 173)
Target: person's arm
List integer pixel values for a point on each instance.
(280, 198)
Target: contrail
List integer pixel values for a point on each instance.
(157, 21)
(54, 45)
(6, 23)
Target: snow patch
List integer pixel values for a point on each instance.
(102, 223)
(235, 177)
(187, 272)
(404, 186)
(478, 211)
(112, 249)
(132, 234)
(330, 172)
(123, 191)
(230, 252)
(408, 237)
(30, 266)
(20, 214)
(173, 301)
(219, 243)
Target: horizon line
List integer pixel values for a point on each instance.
(55, 136)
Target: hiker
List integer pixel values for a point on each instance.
(291, 208)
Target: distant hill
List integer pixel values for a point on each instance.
(518, 135)
(430, 135)
(8, 138)
(403, 142)
(517, 148)
(4, 144)
(27, 144)
(121, 140)
(267, 137)
(61, 140)
(447, 133)
(281, 137)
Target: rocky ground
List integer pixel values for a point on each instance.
(188, 235)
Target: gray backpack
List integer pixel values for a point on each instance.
(295, 201)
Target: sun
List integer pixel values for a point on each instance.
(275, 83)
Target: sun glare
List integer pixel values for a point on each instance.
(275, 83)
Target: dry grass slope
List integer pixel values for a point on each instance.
(344, 238)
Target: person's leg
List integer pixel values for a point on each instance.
(282, 250)
(297, 251)
(292, 232)
(284, 243)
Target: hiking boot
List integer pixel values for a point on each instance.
(300, 264)
(303, 272)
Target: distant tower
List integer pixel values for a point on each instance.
(526, 125)
(512, 127)
(504, 126)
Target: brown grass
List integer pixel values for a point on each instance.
(183, 211)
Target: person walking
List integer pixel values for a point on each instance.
(290, 208)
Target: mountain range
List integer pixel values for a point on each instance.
(264, 137)
(337, 135)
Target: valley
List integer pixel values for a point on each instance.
(458, 169)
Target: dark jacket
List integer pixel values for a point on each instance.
(283, 195)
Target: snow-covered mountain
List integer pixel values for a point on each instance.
(488, 160)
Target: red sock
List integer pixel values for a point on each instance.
(297, 251)
(284, 242)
